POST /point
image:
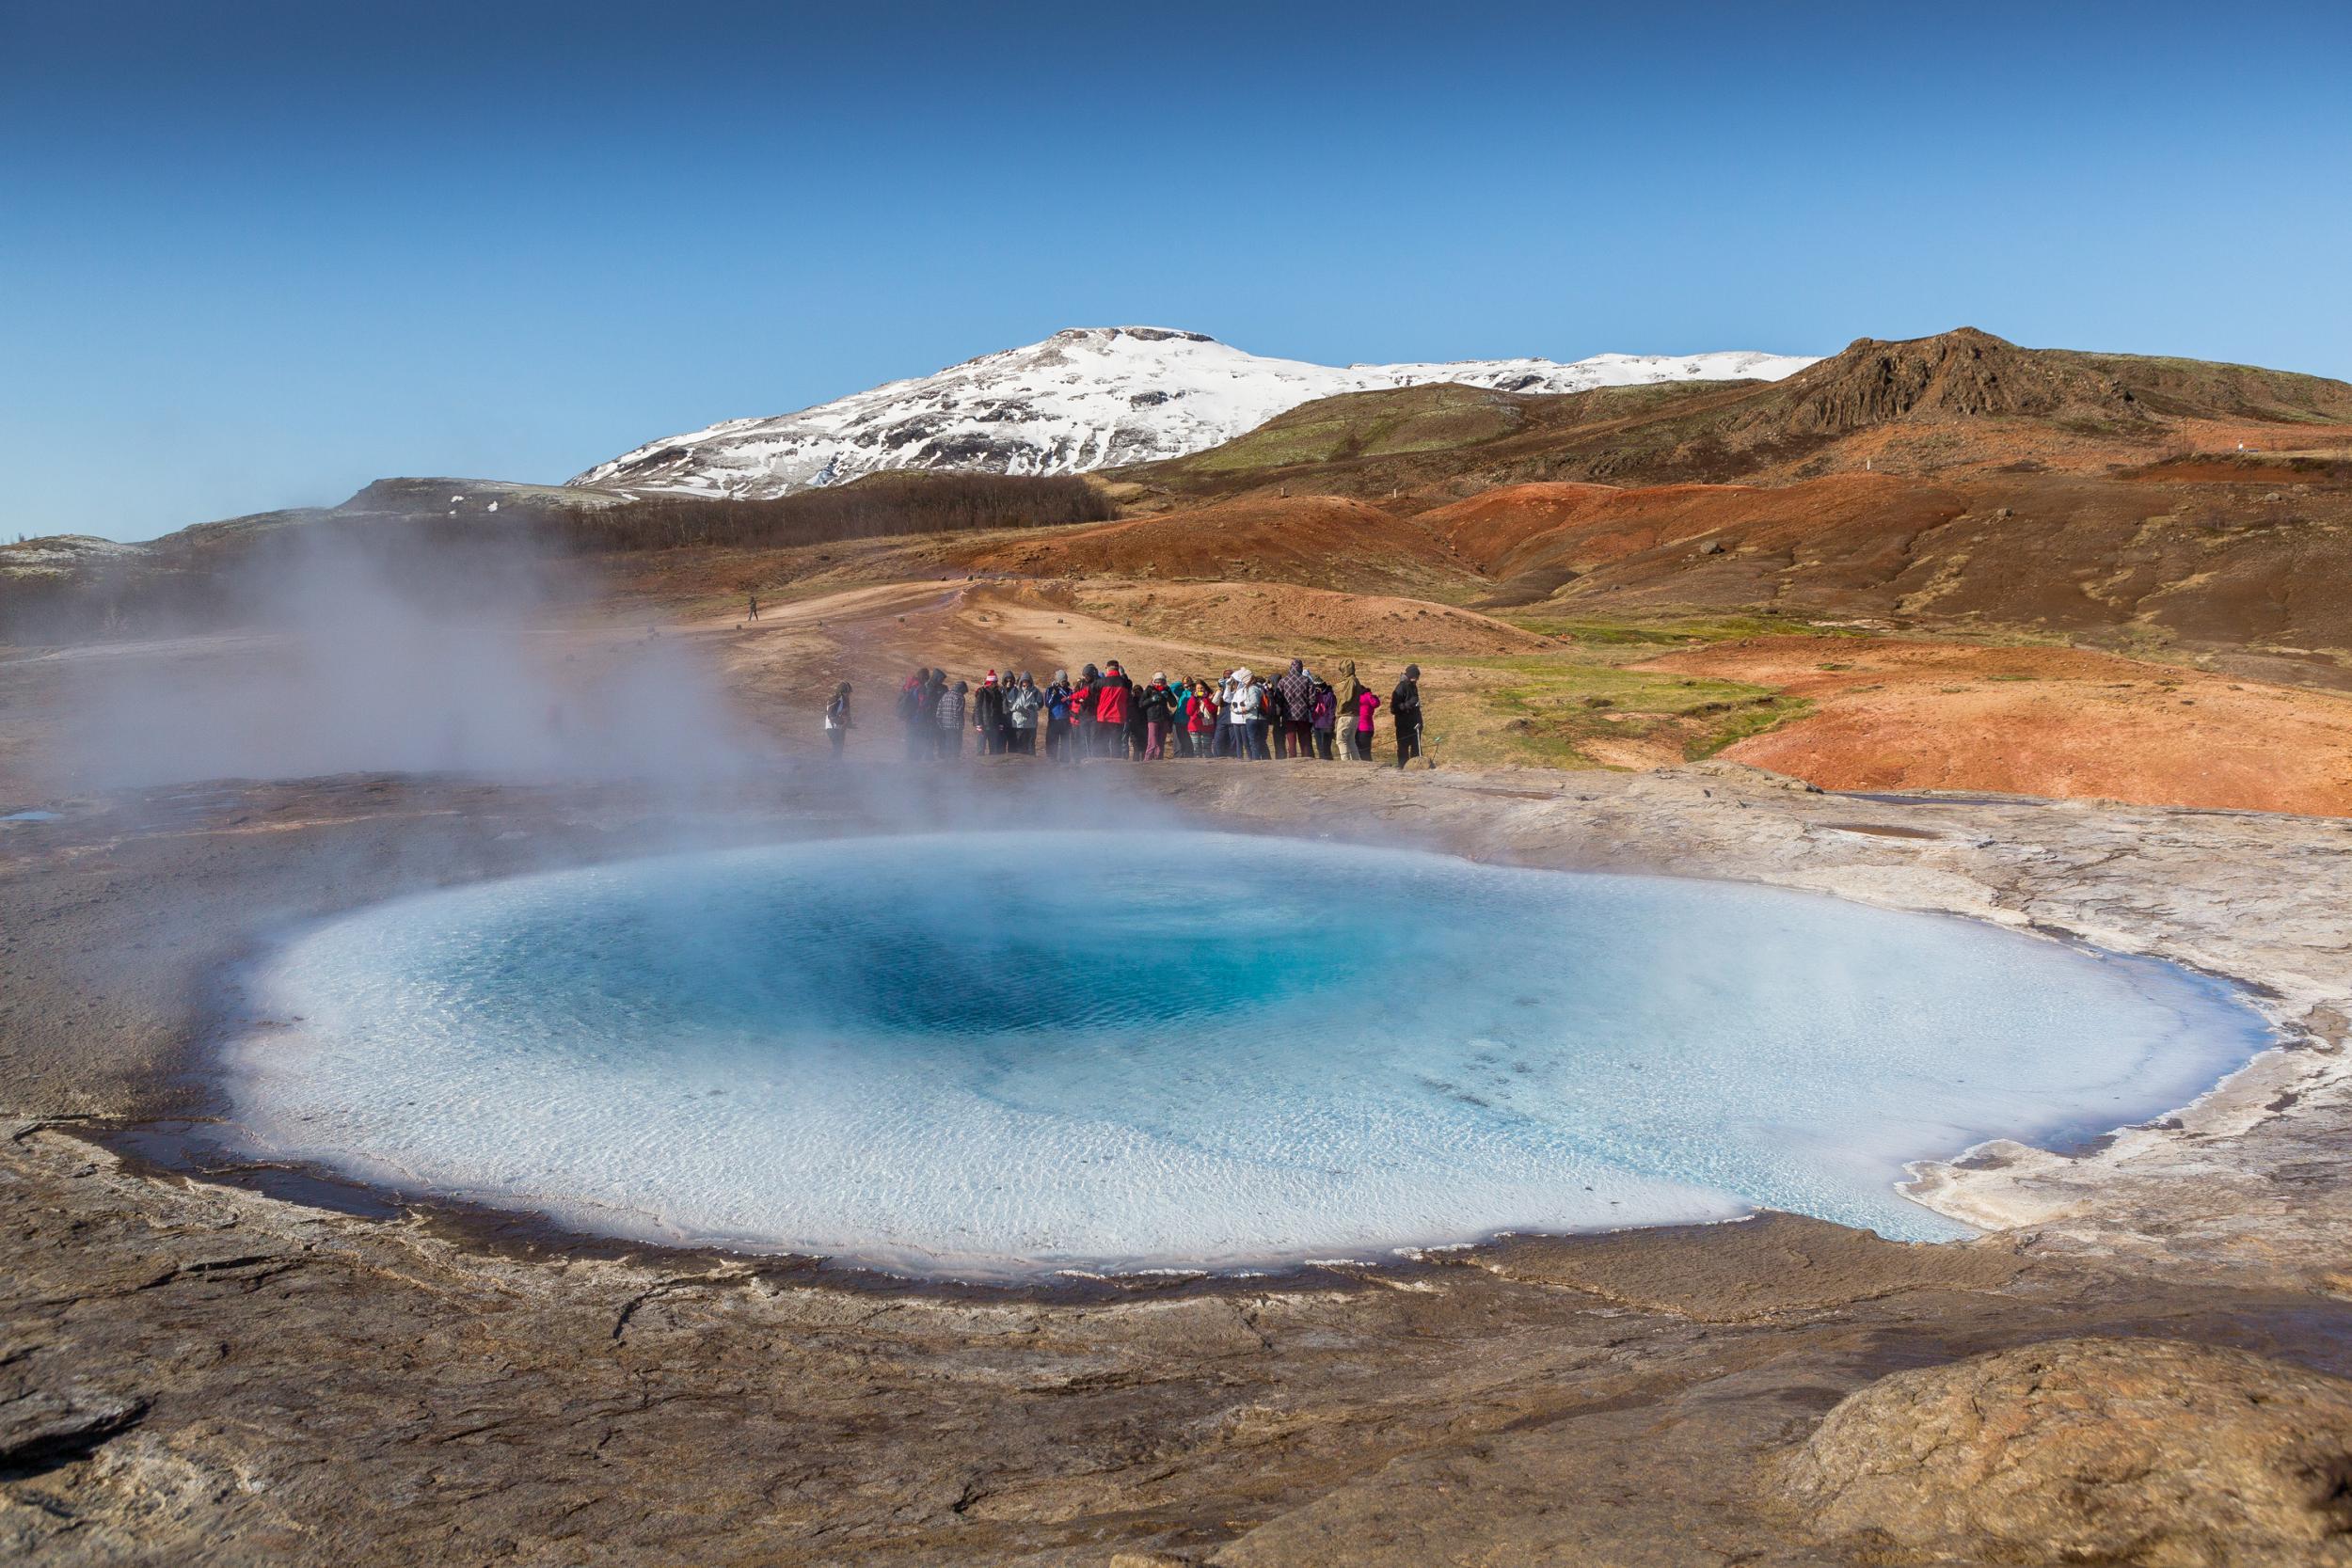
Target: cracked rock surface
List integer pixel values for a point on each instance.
(207, 1368)
(2095, 1451)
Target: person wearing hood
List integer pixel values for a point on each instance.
(1247, 708)
(1351, 692)
(950, 717)
(915, 715)
(1405, 713)
(1114, 696)
(1366, 704)
(1323, 709)
(988, 716)
(1020, 710)
(1058, 711)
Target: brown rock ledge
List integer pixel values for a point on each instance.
(2089, 1451)
(203, 1372)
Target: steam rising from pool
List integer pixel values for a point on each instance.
(1004, 1053)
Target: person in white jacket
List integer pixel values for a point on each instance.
(1022, 706)
(1246, 703)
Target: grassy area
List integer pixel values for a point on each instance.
(1363, 425)
(1667, 631)
(1552, 709)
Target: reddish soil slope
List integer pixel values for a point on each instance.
(1316, 541)
(1908, 715)
(2195, 565)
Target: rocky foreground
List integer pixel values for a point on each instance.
(2145, 1363)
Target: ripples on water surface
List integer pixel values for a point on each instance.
(1000, 1053)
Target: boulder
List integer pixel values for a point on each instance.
(2147, 1451)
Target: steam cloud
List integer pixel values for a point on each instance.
(391, 648)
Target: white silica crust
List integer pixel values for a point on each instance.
(1004, 1053)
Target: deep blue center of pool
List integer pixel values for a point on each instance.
(997, 1052)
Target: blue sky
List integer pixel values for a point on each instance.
(256, 254)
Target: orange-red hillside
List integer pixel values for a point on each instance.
(1318, 541)
(1527, 527)
(1899, 714)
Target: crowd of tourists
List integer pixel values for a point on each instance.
(1106, 714)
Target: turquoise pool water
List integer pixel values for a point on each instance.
(997, 1055)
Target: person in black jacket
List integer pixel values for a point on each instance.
(1405, 716)
(915, 712)
(988, 716)
(837, 718)
(1155, 706)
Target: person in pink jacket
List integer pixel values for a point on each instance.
(1367, 702)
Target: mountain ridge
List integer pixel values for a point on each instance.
(1083, 400)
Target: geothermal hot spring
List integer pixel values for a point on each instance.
(998, 1054)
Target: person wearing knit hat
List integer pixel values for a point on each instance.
(988, 716)
(1405, 716)
(1156, 703)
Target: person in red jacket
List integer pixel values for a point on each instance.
(1112, 695)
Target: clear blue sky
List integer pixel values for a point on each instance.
(255, 255)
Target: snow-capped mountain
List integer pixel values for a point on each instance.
(1096, 397)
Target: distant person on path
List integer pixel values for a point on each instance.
(755, 616)
(1022, 705)
(837, 718)
(1405, 712)
(949, 721)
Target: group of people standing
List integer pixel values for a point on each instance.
(1108, 714)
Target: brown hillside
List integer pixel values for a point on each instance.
(1961, 401)
(1526, 528)
(2201, 566)
(1959, 373)
(1314, 541)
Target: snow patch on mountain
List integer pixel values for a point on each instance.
(1090, 398)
